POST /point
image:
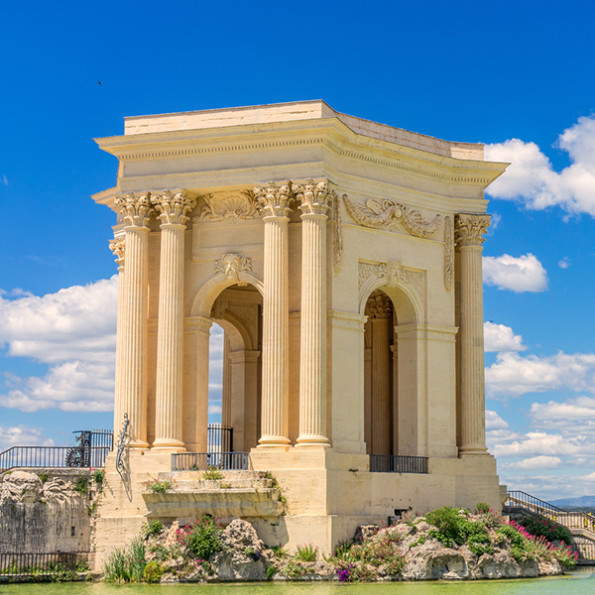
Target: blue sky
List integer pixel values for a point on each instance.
(462, 71)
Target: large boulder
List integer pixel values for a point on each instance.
(243, 556)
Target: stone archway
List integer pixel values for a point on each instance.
(238, 310)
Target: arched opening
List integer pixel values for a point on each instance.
(235, 393)
(380, 376)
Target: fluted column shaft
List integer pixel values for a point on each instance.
(469, 230)
(315, 200)
(170, 334)
(117, 246)
(135, 296)
(274, 199)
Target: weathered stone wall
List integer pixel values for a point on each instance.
(43, 512)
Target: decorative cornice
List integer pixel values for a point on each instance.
(231, 265)
(449, 253)
(391, 215)
(135, 209)
(315, 196)
(469, 229)
(118, 247)
(172, 207)
(229, 206)
(274, 198)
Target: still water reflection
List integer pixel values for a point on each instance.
(581, 582)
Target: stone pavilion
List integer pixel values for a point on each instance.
(342, 258)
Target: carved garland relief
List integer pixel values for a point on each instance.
(229, 206)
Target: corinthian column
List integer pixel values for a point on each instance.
(315, 199)
(274, 200)
(172, 209)
(469, 230)
(118, 247)
(135, 211)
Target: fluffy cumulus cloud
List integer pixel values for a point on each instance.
(499, 337)
(572, 415)
(539, 462)
(513, 374)
(531, 179)
(72, 330)
(519, 274)
(22, 436)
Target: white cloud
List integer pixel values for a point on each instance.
(572, 415)
(499, 337)
(564, 263)
(214, 409)
(4, 180)
(78, 323)
(73, 330)
(22, 436)
(539, 462)
(514, 375)
(535, 444)
(531, 179)
(494, 421)
(521, 274)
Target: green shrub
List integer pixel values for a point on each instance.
(82, 485)
(202, 538)
(212, 473)
(279, 551)
(294, 569)
(455, 528)
(98, 476)
(160, 486)
(44, 477)
(153, 572)
(307, 553)
(151, 528)
(271, 570)
(482, 508)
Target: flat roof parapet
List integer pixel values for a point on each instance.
(292, 112)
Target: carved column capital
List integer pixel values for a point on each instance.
(172, 207)
(379, 305)
(315, 196)
(274, 198)
(135, 209)
(469, 229)
(118, 247)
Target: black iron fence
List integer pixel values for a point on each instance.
(398, 464)
(200, 461)
(90, 450)
(19, 563)
(219, 438)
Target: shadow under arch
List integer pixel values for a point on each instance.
(403, 298)
(205, 297)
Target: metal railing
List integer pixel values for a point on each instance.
(90, 450)
(398, 464)
(49, 456)
(19, 563)
(219, 438)
(200, 461)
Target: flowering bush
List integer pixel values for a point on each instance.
(540, 526)
(202, 538)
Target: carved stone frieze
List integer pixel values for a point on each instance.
(135, 209)
(172, 207)
(392, 215)
(315, 196)
(449, 253)
(469, 229)
(230, 206)
(274, 198)
(337, 236)
(391, 274)
(231, 265)
(118, 247)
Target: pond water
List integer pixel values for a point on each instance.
(579, 582)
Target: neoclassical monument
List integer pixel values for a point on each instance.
(343, 260)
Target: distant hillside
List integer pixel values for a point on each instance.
(582, 502)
